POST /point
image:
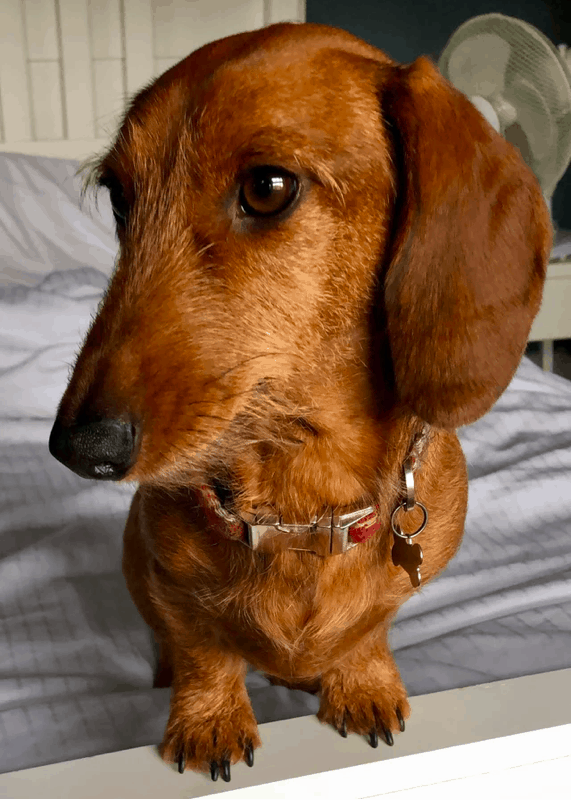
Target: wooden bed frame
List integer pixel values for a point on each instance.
(66, 69)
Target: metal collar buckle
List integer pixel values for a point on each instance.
(327, 535)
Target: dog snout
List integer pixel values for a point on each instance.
(103, 449)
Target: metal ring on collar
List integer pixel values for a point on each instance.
(396, 529)
(410, 500)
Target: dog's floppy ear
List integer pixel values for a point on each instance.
(472, 239)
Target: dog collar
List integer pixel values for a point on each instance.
(330, 534)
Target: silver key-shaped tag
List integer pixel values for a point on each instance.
(405, 553)
(408, 556)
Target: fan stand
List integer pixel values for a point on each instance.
(547, 355)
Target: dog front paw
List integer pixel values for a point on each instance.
(364, 705)
(210, 743)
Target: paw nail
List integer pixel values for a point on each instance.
(214, 772)
(374, 738)
(181, 763)
(343, 729)
(250, 754)
(401, 720)
(388, 737)
(225, 770)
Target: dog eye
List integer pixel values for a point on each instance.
(267, 191)
(119, 205)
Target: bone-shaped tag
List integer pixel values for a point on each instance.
(409, 557)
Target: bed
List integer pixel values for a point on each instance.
(485, 650)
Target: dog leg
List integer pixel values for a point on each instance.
(163, 675)
(365, 694)
(211, 723)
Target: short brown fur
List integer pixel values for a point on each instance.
(295, 359)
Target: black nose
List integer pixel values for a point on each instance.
(102, 449)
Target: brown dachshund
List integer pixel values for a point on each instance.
(328, 262)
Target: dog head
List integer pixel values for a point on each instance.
(316, 243)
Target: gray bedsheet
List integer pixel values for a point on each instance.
(76, 661)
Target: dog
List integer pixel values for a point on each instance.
(328, 263)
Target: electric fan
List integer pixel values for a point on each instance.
(521, 83)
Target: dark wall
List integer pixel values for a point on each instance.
(406, 29)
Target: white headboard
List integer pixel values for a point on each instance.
(67, 67)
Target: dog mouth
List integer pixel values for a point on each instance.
(259, 441)
(223, 485)
(247, 449)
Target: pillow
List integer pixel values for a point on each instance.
(43, 228)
